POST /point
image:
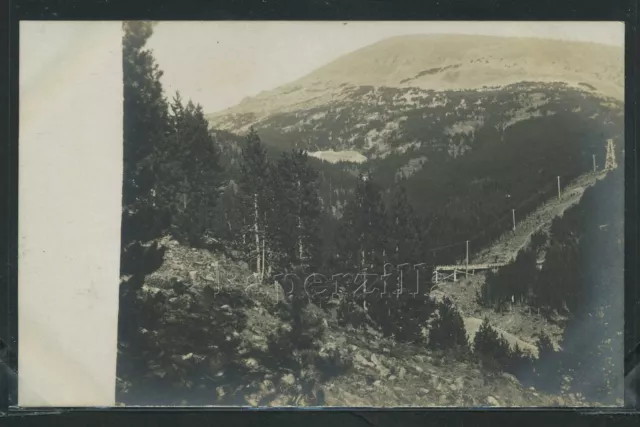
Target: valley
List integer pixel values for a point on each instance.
(264, 263)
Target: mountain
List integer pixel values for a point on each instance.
(475, 125)
(416, 66)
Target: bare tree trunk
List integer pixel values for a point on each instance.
(184, 195)
(263, 259)
(264, 251)
(256, 231)
(300, 244)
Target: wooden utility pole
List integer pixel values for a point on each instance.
(610, 162)
(594, 162)
(513, 214)
(559, 194)
(467, 264)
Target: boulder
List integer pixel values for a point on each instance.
(288, 379)
(492, 401)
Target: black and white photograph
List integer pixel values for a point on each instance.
(371, 214)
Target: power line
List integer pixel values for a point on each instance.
(504, 217)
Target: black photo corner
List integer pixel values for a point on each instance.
(139, 261)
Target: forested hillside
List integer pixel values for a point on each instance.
(253, 273)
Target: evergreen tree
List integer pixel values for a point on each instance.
(548, 366)
(294, 349)
(520, 364)
(592, 341)
(146, 126)
(491, 347)
(364, 231)
(229, 216)
(447, 329)
(191, 172)
(254, 197)
(404, 230)
(512, 284)
(294, 221)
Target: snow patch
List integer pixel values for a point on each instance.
(332, 156)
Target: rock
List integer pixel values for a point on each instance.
(289, 379)
(492, 401)
(361, 360)
(423, 391)
(459, 383)
(266, 386)
(377, 383)
(512, 379)
(392, 377)
(252, 400)
(251, 362)
(193, 275)
(434, 382)
(220, 391)
(419, 369)
(402, 372)
(386, 350)
(375, 360)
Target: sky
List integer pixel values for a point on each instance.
(218, 63)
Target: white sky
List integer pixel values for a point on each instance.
(218, 63)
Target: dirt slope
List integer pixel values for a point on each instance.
(519, 324)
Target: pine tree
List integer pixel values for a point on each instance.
(191, 173)
(254, 197)
(146, 126)
(295, 218)
(364, 230)
(548, 367)
(592, 341)
(404, 229)
(491, 347)
(447, 330)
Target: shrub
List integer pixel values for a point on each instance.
(548, 368)
(411, 314)
(447, 329)
(520, 364)
(490, 347)
(169, 362)
(349, 312)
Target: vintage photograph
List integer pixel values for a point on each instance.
(372, 214)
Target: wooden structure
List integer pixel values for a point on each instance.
(443, 273)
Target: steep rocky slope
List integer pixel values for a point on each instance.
(380, 371)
